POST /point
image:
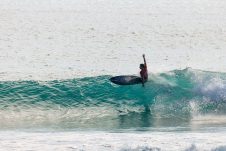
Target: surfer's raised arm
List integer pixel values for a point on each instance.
(144, 60)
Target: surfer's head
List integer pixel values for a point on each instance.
(142, 66)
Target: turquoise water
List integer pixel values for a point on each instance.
(168, 99)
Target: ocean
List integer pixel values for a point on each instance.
(57, 56)
(176, 104)
(181, 99)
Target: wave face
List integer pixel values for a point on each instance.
(174, 98)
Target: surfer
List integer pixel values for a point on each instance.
(144, 71)
(130, 79)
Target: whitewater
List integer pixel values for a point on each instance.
(57, 56)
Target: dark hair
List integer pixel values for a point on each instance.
(142, 66)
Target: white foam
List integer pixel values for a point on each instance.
(104, 141)
(212, 87)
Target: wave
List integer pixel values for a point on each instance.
(96, 102)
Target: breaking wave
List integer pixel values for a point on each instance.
(174, 98)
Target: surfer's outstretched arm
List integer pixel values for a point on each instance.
(144, 60)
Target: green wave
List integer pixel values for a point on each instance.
(177, 94)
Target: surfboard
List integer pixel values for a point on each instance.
(126, 80)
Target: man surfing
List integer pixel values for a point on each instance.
(131, 79)
(144, 71)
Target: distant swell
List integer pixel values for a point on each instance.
(94, 102)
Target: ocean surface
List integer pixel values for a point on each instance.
(57, 56)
